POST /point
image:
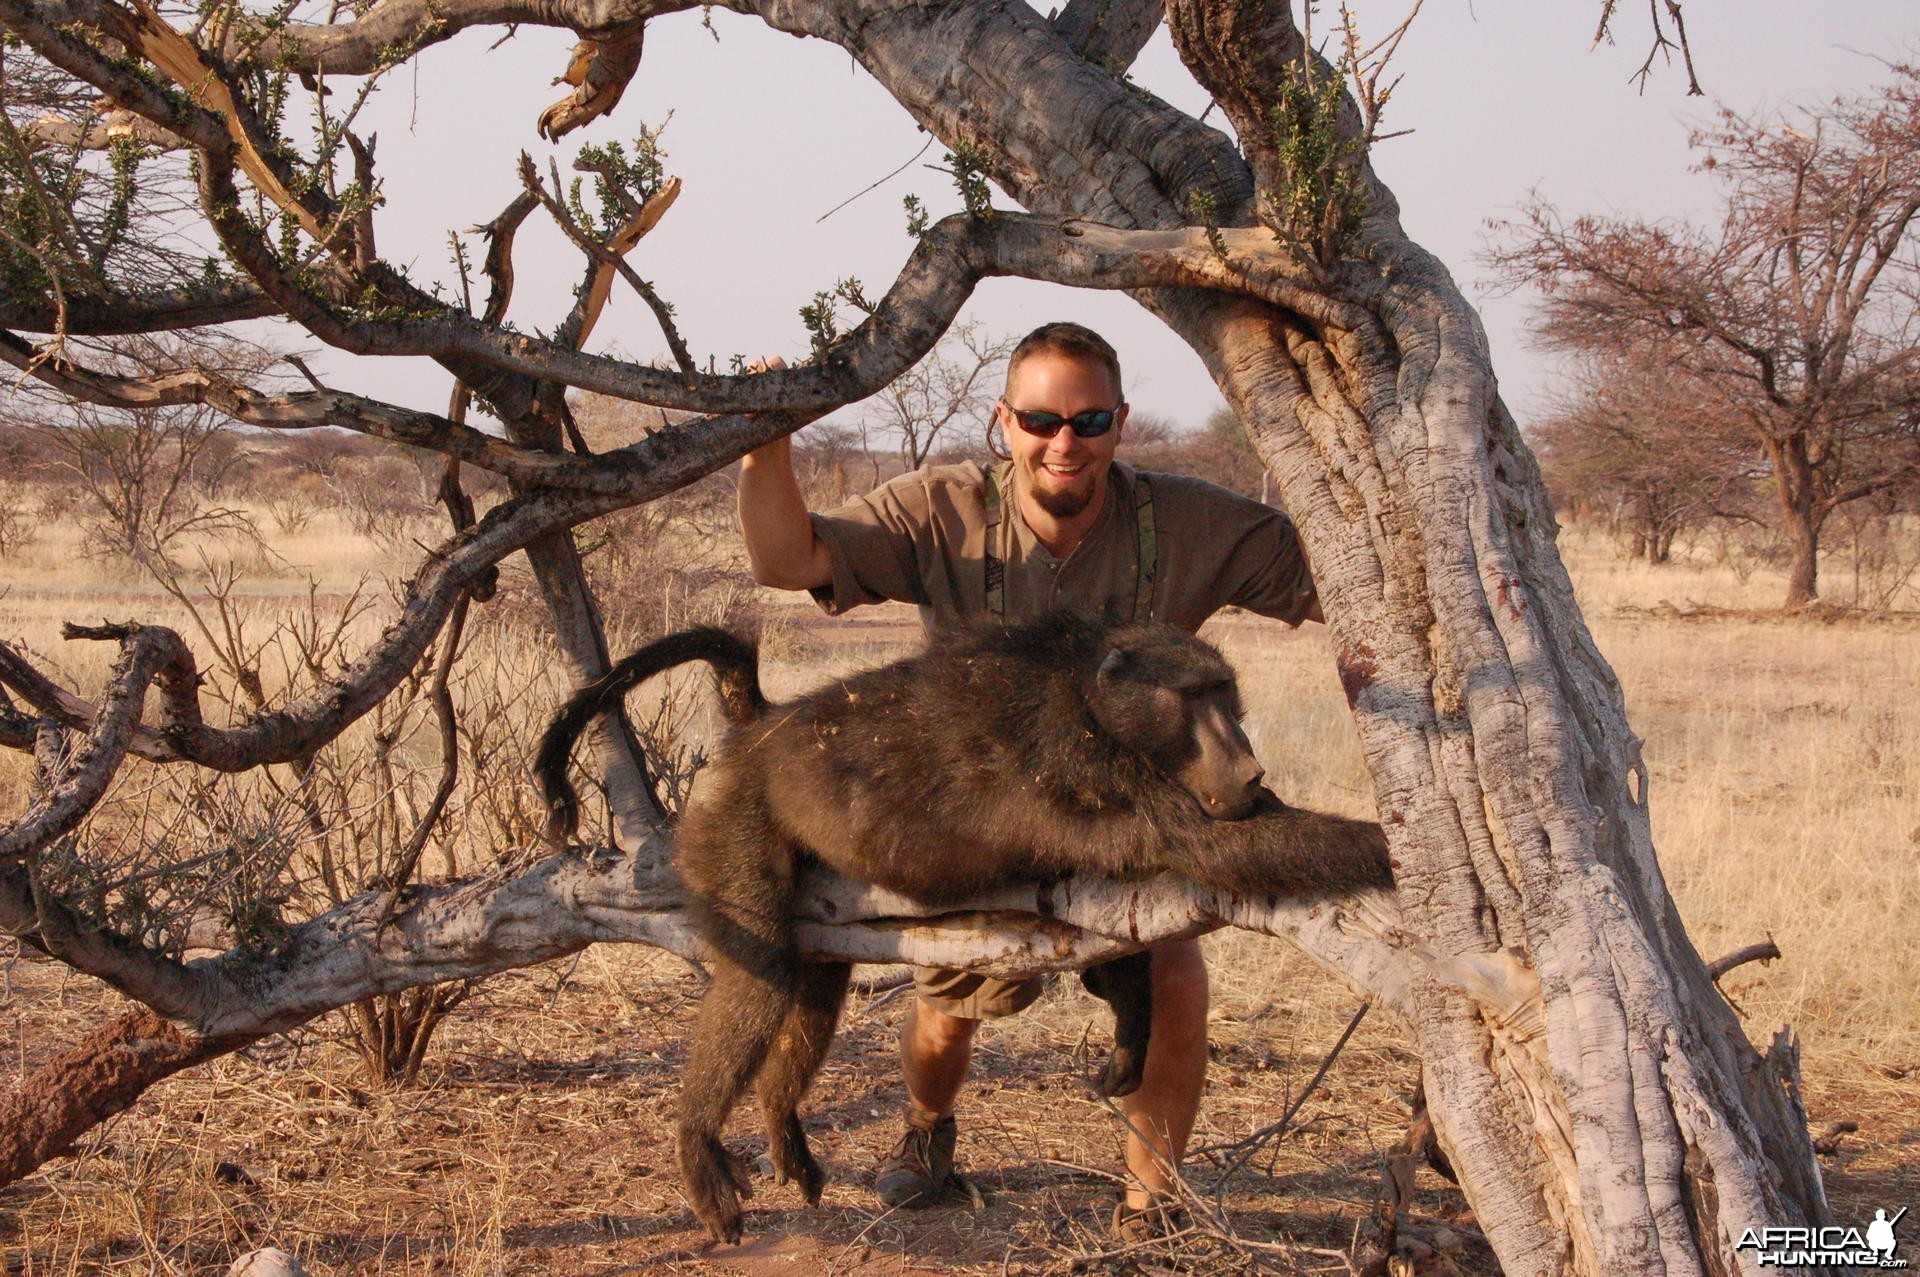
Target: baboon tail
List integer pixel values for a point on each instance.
(736, 672)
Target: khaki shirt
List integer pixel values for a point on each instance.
(922, 538)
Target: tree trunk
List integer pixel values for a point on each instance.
(1663, 544)
(1601, 1104)
(1803, 560)
(1794, 482)
(1607, 1114)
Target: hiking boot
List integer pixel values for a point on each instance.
(919, 1171)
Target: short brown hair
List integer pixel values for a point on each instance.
(1072, 340)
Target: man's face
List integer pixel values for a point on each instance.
(1065, 473)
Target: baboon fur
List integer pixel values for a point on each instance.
(1001, 754)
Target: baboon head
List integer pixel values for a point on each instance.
(1172, 699)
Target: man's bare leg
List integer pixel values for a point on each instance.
(935, 1050)
(1162, 1111)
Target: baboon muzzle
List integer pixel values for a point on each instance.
(1224, 776)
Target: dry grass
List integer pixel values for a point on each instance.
(1785, 760)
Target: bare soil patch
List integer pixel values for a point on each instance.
(539, 1140)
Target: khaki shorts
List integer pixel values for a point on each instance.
(972, 996)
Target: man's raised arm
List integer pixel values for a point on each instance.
(782, 550)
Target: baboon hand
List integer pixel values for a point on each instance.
(1125, 1069)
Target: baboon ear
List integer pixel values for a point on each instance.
(1115, 664)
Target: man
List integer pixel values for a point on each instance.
(1059, 524)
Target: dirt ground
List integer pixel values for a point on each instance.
(538, 1140)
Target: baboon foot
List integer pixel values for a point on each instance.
(793, 1161)
(1125, 1069)
(715, 1183)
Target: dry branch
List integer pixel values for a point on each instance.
(112, 313)
(599, 70)
(71, 1094)
(1765, 951)
(95, 132)
(564, 902)
(609, 259)
(147, 655)
(325, 406)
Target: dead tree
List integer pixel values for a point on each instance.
(1601, 1104)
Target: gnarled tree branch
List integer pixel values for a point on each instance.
(670, 460)
(116, 314)
(147, 654)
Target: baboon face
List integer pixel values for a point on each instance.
(1181, 709)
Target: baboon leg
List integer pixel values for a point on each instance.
(1126, 985)
(798, 1051)
(756, 979)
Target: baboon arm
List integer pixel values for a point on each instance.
(1287, 851)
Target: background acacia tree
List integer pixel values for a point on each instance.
(1801, 310)
(1597, 1096)
(1649, 451)
(954, 385)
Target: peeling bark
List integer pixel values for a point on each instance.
(62, 1100)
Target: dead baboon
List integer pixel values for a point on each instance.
(998, 755)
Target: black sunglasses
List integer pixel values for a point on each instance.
(1090, 424)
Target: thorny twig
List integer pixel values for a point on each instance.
(442, 702)
(1243, 1150)
(609, 258)
(1661, 41)
(1368, 65)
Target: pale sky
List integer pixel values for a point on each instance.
(1506, 97)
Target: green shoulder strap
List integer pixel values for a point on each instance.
(996, 566)
(1146, 555)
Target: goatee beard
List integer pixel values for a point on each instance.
(1066, 503)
